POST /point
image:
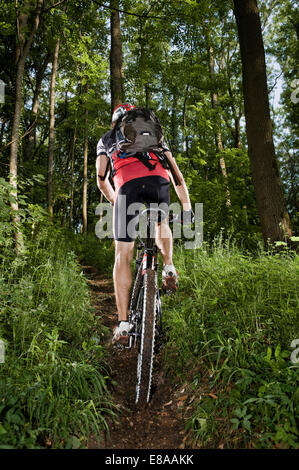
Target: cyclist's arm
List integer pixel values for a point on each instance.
(104, 185)
(181, 188)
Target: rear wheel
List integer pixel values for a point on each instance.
(136, 289)
(147, 338)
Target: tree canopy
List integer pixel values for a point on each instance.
(181, 59)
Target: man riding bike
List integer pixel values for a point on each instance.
(140, 178)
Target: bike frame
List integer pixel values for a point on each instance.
(147, 257)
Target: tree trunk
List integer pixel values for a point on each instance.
(185, 122)
(3, 123)
(275, 222)
(237, 133)
(73, 174)
(218, 135)
(237, 113)
(85, 166)
(30, 140)
(116, 58)
(51, 147)
(147, 93)
(22, 50)
(174, 123)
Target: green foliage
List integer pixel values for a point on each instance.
(53, 384)
(6, 228)
(29, 214)
(95, 252)
(285, 24)
(166, 58)
(240, 309)
(230, 339)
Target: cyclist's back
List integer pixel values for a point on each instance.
(138, 177)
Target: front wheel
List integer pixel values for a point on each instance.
(147, 338)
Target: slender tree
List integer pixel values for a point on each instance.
(85, 168)
(218, 134)
(73, 148)
(30, 140)
(24, 22)
(275, 222)
(116, 57)
(52, 128)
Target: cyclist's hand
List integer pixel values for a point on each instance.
(187, 217)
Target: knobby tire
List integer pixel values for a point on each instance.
(136, 289)
(147, 340)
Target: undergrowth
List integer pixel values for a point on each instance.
(54, 379)
(230, 329)
(94, 252)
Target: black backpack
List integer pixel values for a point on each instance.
(139, 131)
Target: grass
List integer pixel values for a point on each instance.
(230, 327)
(54, 381)
(94, 252)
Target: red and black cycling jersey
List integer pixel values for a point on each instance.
(126, 169)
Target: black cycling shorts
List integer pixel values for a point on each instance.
(132, 196)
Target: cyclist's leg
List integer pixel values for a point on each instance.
(157, 192)
(124, 217)
(122, 277)
(164, 241)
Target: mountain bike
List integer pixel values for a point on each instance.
(145, 314)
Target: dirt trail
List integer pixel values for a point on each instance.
(160, 425)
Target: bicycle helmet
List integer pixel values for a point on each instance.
(121, 110)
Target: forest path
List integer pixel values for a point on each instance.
(160, 425)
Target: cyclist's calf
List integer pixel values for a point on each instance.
(122, 276)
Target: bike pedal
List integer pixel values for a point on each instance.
(166, 292)
(119, 347)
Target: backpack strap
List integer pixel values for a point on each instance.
(169, 166)
(102, 178)
(143, 158)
